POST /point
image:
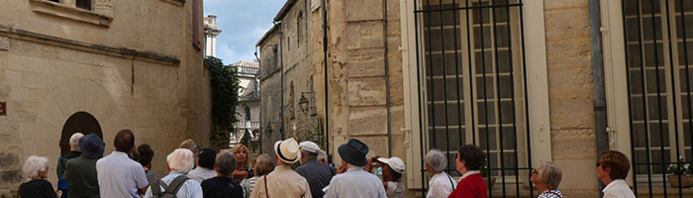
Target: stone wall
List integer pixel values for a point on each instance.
(571, 95)
(130, 74)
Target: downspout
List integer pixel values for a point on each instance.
(281, 73)
(259, 62)
(324, 51)
(598, 79)
(387, 82)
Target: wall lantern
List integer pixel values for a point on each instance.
(303, 103)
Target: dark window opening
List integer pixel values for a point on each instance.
(84, 4)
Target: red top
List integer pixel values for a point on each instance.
(472, 186)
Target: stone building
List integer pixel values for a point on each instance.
(527, 81)
(211, 33)
(248, 110)
(99, 66)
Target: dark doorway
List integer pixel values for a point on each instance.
(82, 122)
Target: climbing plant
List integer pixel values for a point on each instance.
(225, 86)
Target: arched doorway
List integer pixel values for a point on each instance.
(82, 122)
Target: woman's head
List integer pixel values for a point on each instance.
(180, 160)
(613, 164)
(36, 167)
(241, 153)
(225, 162)
(469, 157)
(547, 174)
(436, 160)
(146, 155)
(264, 164)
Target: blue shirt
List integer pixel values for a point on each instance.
(356, 183)
(190, 188)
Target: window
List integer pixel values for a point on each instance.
(649, 45)
(84, 4)
(246, 109)
(299, 27)
(466, 84)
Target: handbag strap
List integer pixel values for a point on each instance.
(266, 192)
(451, 183)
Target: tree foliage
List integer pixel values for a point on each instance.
(225, 86)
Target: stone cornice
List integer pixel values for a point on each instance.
(25, 35)
(176, 2)
(69, 12)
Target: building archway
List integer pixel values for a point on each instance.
(82, 122)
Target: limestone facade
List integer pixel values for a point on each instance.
(129, 64)
(248, 110)
(371, 88)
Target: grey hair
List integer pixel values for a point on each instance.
(180, 160)
(33, 165)
(265, 164)
(225, 162)
(550, 173)
(437, 160)
(322, 155)
(308, 154)
(74, 141)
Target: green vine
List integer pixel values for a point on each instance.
(225, 86)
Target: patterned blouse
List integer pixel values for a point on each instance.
(551, 194)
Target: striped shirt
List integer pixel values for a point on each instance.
(248, 185)
(551, 194)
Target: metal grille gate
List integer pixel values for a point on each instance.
(659, 41)
(472, 86)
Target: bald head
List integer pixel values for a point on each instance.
(124, 140)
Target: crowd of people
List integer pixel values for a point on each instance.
(196, 173)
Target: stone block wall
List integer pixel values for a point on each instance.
(128, 75)
(571, 95)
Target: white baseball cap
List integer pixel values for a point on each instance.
(309, 146)
(395, 163)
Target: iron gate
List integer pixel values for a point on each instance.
(659, 37)
(472, 81)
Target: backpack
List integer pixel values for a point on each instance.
(169, 190)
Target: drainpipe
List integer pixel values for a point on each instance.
(324, 51)
(598, 75)
(257, 76)
(281, 73)
(387, 82)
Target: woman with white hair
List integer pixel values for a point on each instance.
(179, 162)
(222, 186)
(441, 184)
(36, 170)
(62, 162)
(546, 177)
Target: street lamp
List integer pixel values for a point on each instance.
(304, 103)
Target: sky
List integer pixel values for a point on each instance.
(242, 24)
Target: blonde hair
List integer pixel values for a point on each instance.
(189, 144)
(237, 148)
(33, 165)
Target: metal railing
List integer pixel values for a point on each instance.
(247, 70)
(658, 40)
(471, 70)
(248, 124)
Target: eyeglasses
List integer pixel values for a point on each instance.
(535, 172)
(599, 164)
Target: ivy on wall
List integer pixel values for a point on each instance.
(225, 85)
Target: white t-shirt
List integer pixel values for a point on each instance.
(618, 189)
(119, 176)
(441, 185)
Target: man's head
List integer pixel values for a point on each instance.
(74, 141)
(206, 157)
(180, 160)
(309, 150)
(354, 152)
(613, 165)
(124, 140)
(287, 151)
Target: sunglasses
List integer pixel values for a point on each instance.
(599, 164)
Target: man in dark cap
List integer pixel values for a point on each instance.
(355, 182)
(80, 172)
